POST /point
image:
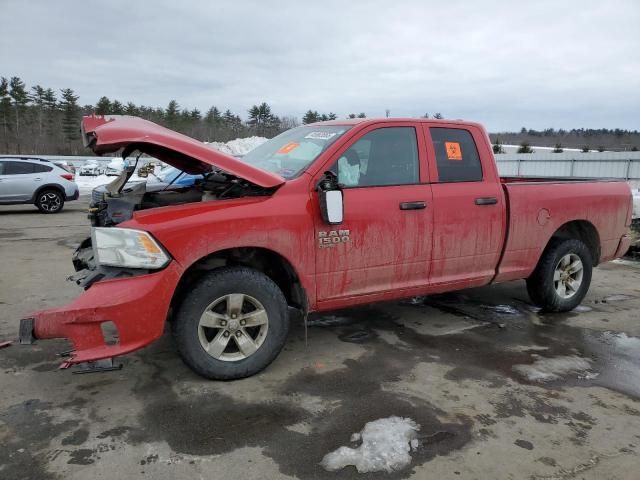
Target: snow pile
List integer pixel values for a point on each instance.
(86, 184)
(239, 146)
(636, 203)
(386, 444)
(548, 369)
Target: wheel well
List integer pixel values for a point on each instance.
(584, 231)
(48, 187)
(272, 264)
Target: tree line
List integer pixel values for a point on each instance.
(585, 139)
(40, 120)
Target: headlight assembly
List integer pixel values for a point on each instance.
(124, 247)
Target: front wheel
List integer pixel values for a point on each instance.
(562, 277)
(50, 201)
(232, 324)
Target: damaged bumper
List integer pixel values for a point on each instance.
(136, 306)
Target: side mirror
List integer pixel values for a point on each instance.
(331, 200)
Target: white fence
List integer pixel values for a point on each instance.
(623, 165)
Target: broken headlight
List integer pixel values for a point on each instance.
(125, 247)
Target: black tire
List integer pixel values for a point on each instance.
(541, 284)
(50, 201)
(212, 287)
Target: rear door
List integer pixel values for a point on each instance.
(384, 243)
(19, 180)
(468, 204)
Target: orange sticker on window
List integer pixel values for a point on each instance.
(453, 150)
(288, 148)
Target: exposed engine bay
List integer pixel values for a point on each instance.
(115, 203)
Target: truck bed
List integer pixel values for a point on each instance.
(547, 205)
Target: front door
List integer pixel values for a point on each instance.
(384, 242)
(18, 180)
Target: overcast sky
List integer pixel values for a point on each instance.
(507, 64)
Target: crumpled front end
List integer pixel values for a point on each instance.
(136, 305)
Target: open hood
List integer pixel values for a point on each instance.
(110, 133)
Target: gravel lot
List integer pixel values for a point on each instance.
(499, 390)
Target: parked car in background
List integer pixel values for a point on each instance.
(173, 176)
(65, 165)
(115, 167)
(35, 180)
(91, 168)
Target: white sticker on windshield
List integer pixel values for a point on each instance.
(320, 135)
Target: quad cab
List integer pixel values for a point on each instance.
(321, 217)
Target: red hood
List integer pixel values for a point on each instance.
(106, 134)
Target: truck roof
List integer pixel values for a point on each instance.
(358, 121)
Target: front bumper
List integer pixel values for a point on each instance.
(138, 307)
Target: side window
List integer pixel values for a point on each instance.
(386, 156)
(18, 168)
(456, 155)
(41, 168)
(2, 167)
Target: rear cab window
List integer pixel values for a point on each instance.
(457, 157)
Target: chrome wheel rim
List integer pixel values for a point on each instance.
(567, 276)
(233, 327)
(50, 202)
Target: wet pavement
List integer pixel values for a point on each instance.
(499, 389)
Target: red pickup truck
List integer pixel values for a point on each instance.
(321, 217)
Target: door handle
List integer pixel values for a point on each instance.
(486, 201)
(37, 179)
(419, 205)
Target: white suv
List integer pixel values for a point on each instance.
(37, 181)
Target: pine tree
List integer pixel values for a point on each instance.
(19, 100)
(362, 115)
(103, 107)
(525, 148)
(438, 115)
(332, 116)
(310, 117)
(117, 108)
(558, 148)
(37, 98)
(70, 115)
(131, 109)
(172, 114)
(586, 148)
(497, 147)
(352, 115)
(5, 112)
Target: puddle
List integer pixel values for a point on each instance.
(358, 336)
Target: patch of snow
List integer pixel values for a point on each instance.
(554, 368)
(239, 146)
(386, 446)
(622, 341)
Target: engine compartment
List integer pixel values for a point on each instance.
(116, 202)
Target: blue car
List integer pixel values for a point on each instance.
(168, 176)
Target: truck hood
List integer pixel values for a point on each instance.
(110, 133)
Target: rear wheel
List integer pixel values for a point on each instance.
(50, 201)
(232, 324)
(562, 277)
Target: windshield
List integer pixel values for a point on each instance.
(291, 152)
